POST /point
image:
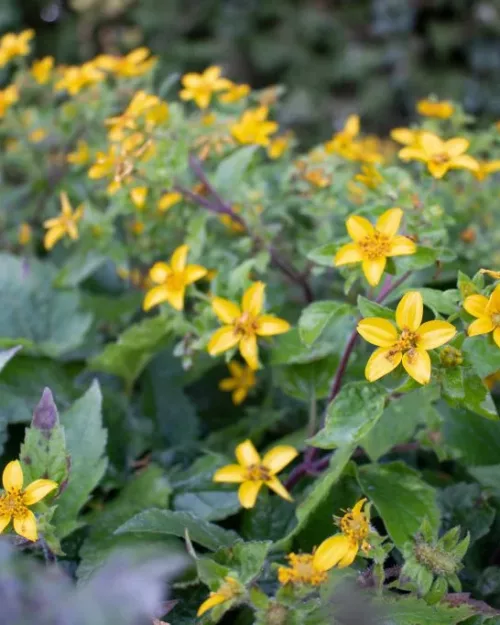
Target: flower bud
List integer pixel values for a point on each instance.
(435, 559)
(451, 357)
(277, 614)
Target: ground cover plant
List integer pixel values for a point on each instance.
(241, 382)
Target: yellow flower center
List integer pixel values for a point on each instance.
(440, 158)
(246, 325)
(301, 570)
(407, 340)
(229, 589)
(11, 504)
(175, 281)
(258, 473)
(355, 526)
(495, 318)
(376, 245)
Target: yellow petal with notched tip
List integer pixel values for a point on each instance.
(155, 296)
(349, 253)
(246, 454)
(456, 147)
(431, 143)
(401, 246)
(380, 363)
(12, 477)
(269, 325)
(211, 602)
(483, 325)
(225, 310)
(358, 227)
(276, 486)
(410, 311)
(179, 257)
(389, 222)
(247, 493)
(25, 525)
(476, 305)
(417, 364)
(37, 490)
(222, 340)
(253, 299)
(331, 552)
(373, 270)
(277, 458)
(435, 333)
(378, 331)
(250, 351)
(231, 473)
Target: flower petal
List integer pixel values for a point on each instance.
(476, 305)
(228, 384)
(159, 272)
(37, 490)
(483, 325)
(12, 477)
(496, 336)
(221, 340)
(401, 246)
(435, 333)
(389, 222)
(349, 253)
(349, 556)
(457, 146)
(438, 170)
(418, 365)
(250, 351)
(358, 227)
(465, 162)
(211, 602)
(378, 331)
(358, 506)
(380, 363)
(156, 295)
(239, 395)
(407, 154)
(269, 325)
(175, 297)
(253, 298)
(431, 143)
(279, 457)
(331, 551)
(192, 273)
(494, 301)
(4, 521)
(179, 257)
(247, 493)
(410, 311)
(52, 236)
(225, 310)
(403, 135)
(25, 525)
(246, 454)
(275, 485)
(231, 473)
(373, 270)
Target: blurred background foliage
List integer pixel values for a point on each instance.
(375, 57)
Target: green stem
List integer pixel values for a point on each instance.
(311, 426)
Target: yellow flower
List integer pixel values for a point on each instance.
(12, 45)
(37, 135)
(65, 224)
(408, 345)
(493, 274)
(408, 137)
(244, 325)
(234, 93)
(301, 570)
(154, 110)
(75, 78)
(440, 156)
(369, 176)
(485, 169)
(373, 245)
(432, 108)
(24, 234)
(241, 381)
(8, 97)
(341, 142)
(317, 178)
(15, 501)
(167, 200)
(172, 280)
(135, 63)
(341, 549)
(42, 69)
(230, 589)
(138, 196)
(254, 127)
(115, 163)
(279, 145)
(81, 155)
(487, 313)
(252, 472)
(201, 87)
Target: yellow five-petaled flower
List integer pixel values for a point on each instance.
(201, 87)
(252, 472)
(172, 280)
(302, 570)
(254, 127)
(408, 343)
(227, 591)
(244, 325)
(241, 381)
(65, 224)
(341, 549)
(15, 502)
(487, 313)
(374, 244)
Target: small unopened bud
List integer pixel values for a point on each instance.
(451, 357)
(435, 559)
(277, 614)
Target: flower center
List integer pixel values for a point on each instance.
(354, 527)
(376, 245)
(246, 325)
(175, 281)
(496, 319)
(407, 340)
(11, 504)
(440, 158)
(258, 473)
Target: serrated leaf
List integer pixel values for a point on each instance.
(401, 497)
(231, 169)
(174, 523)
(440, 302)
(483, 354)
(351, 415)
(324, 255)
(318, 316)
(86, 444)
(369, 308)
(414, 611)
(463, 505)
(477, 439)
(304, 381)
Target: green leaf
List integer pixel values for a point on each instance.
(86, 444)
(169, 522)
(351, 415)
(464, 505)
(477, 397)
(43, 453)
(483, 354)
(324, 255)
(320, 315)
(230, 171)
(423, 257)
(488, 476)
(369, 308)
(8, 354)
(270, 519)
(45, 320)
(318, 492)
(78, 268)
(475, 438)
(413, 611)
(401, 497)
(134, 349)
(441, 302)
(147, 489)
(246, 558)
(302, 381)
